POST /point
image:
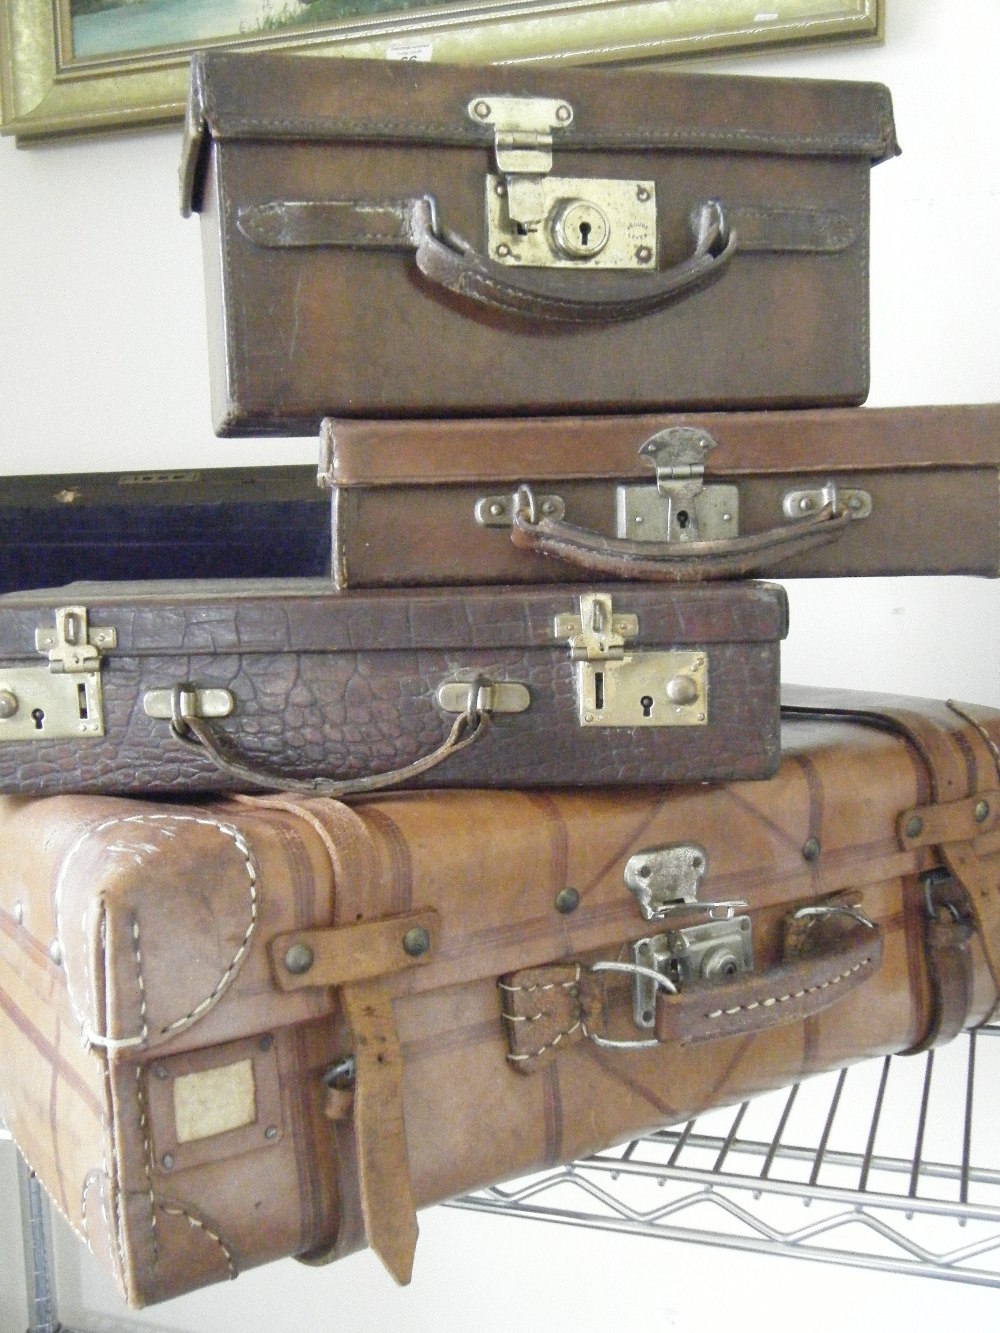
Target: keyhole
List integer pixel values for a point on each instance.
(584, 233)
(646, 704)
(39, 717)
(683, 518)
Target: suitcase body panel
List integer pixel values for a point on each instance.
(110, 882)
(931, 475)
(186, 524)
(324, 683)
(283, 356)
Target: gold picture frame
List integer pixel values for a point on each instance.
(49, 87)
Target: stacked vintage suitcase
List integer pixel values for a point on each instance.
(244, 1026)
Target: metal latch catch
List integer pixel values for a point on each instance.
(641, 688)
(840, 499)
(711, 951)
(66, 700)
(682, 508)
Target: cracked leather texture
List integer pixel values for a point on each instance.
(336, 712)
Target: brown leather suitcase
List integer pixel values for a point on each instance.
(835, 491)
(273, 1026)
(387, 239)
(186, 687)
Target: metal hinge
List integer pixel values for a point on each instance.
(522, 143)
(682, 508)
(640, 688)
(66, 700)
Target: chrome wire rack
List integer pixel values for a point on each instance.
(892, 1164)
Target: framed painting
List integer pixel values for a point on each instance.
(80, 66)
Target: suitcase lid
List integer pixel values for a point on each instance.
(267, 95)
(293, 616)
(415, 453)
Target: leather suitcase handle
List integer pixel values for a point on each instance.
(830, 949)
(679, 562)
(451, 262)
(468, 727)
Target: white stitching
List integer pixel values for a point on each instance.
(796, 995)
(175, 1210)
(91, 1038)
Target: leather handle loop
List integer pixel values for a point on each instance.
(677, 562)
(449, 261)
(468, 727)
(838, 952)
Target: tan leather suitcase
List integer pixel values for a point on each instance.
(390, 239)
(824, 492)
(274, 1026)
(287, 684)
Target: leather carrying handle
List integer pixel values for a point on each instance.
(815, 973)
(468, 727)
(449, 261)
(677, 562)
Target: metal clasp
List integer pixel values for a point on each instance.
(65, 701)
(522, 143)
(707, 952)
(681, 508)
(839, 499)
(666, 879)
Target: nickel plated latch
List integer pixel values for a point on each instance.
(681, 508)
(65, 701)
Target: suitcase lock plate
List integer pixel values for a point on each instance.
(638, 688)
(708, 952)
(65, 701)
(535, 220)
(680, 508)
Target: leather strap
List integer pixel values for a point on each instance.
(822, 963)
(449, 261)
(387, 1203)
(363, 951)
(675, 562)
(948, 929)
(828, 952)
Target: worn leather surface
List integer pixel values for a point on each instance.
(84, 1115)
(776, 329)
(932, 473)
(328, 685)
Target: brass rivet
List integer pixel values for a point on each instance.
(8, 703)
(159, 1071)
(805, 504)
(914, 826)
(811, 849)
(271, 1133)
(416, 941)
(563, 113)
(481, 109)
(567, 900)
(503, 251)
(644, 254)
(496, 508)
(167, 1161)
(981, 811)
(642, 194)
(500, 189)
(299, 959)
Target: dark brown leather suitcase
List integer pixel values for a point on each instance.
(185, 687)
(186, 523)
(684, 498)
(247, 1029)
(389, 239)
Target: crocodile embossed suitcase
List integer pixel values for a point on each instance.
(830, 491)
(391, 239)
(187, 523)
(185, 687)
(276, 1026)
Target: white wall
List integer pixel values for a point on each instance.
(103, 367)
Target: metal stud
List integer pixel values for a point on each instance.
(914, 826)
(271, 1133)
(8, 703)
(981, 811)
(567, 900)
(55, 952)
(266, 1042)
(167, 1161)
(299, 959)
(811, 849)
(416, 941)
(19, 913)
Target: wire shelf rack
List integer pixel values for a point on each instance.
(891, 1165)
